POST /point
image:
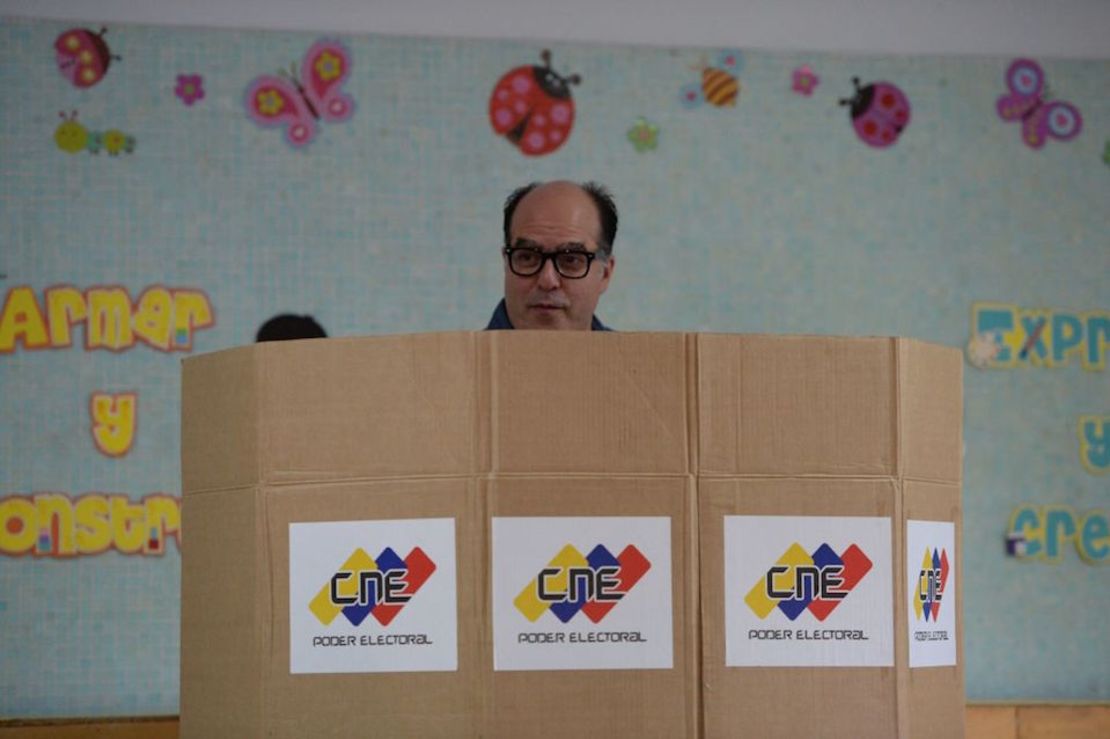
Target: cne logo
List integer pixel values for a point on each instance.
(364, 586)
(930, 584)
(816, 582)
(592, 584)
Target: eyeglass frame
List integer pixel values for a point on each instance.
(546, 255)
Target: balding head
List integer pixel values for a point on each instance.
(598, 194)
(542, 220)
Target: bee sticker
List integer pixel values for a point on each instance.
(880, 112)
(72, 137)
(297, 103)
(1026, 103)
(718, 87)
(83, 56)
(532, 107)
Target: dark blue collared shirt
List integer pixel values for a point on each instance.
(500, 320)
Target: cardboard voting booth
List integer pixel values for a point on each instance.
(516, 534)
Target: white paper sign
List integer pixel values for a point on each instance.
(582, 593)
(808, 591)
(931, 592)
(372, 596)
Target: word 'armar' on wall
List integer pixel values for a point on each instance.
(163, 318)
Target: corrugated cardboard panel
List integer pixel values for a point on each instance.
(221, 659)
(587, 402)
(849, 702)
(931, 386)
(693, 426)
(401, 704)
(795, 405)
(219, 420)
(349, 408)
(603, 703)
(936, 694)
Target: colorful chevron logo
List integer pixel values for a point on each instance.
(800, 581)
(380, 586)
(930, 585)
(592, 584)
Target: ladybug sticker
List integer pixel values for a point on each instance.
(532, 107)
(83, 56)
(880, 112)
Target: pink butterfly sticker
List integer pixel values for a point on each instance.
(299, 103)
(1039, 117)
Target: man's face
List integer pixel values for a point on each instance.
(553, 217)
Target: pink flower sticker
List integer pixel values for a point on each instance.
(190, 88)
(804, 80)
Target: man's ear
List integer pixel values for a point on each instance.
(610, 264)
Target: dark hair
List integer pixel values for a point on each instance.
(603, 200)
(288, 326)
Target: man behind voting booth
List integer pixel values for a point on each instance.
(558, 256)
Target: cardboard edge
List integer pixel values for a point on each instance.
(901, 625)
(695, 724)
(909, 353)
(693, 409)
(237, 402)
(921, 506)
(192, 658)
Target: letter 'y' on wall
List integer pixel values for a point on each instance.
(113, 421)
(1094, 443)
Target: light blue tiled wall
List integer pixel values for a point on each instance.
(770, 217)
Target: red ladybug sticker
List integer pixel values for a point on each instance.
(83, 56)
(880, 112)
(532, 107)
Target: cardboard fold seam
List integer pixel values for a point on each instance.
(796, 476)
(900, 590)
(474, 464)
(897, 350)
(692, 433)
(268, 649)
(264, 641)
(492, 409)
(262, 436)
(693, 629)
(933, 480)
(358, 479)
(483, 687)
(341, 481)
(198, 492)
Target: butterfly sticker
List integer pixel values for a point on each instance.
(298, 103)
(1039, 117)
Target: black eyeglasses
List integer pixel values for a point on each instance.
(525, 261)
